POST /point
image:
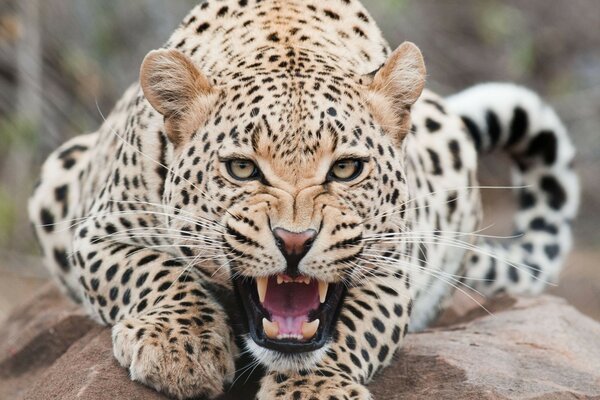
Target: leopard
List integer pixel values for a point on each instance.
(281, 185)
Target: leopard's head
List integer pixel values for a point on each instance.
(279, 176)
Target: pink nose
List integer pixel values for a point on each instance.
(294, 243)
(294, 246)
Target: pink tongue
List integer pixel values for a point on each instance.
(289, 325)
(290, 303)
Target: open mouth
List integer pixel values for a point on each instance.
(288, 314)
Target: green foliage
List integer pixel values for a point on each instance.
(18, 132)
(8, 217)
(500, 23)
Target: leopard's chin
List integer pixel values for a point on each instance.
(290, 315)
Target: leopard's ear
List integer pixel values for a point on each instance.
(179, 91)
(396, 86)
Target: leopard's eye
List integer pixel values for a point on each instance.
(243, 170)
(346, 170)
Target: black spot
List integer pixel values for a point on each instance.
(332, 15)
(518, 127)
(140, 333)
(545, 146)
(164, 286)
(435, 161)
(222, 11)
(557, 196)
(60, 256)
(111, 271)
(61, 192)
(147, 259)
(513, 274)
(47, 219)
(95, 266)
(454, 147)
(141, 279)
(110, 229)
(437, 105)
(432, 125)
(383, 352)
(348, 322)
(142, 305)
(490, 277)
(396, 334)
(526, 199)
(171, 263)
(493, 126)
(188, 348)
(398, 310)
(552, 250)
(378, 325)
(203, 27)
(355, 361)
(539, 224)
(473, 131)
(371, 339)
(68, 163)
(126, 276)
(535, 270)
(351, 342)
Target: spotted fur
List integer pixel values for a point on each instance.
(141, 223)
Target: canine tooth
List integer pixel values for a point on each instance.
(307, 280)
(323, 287)
(310, 328)
(261, 286)
(271, 328)
(279, 279)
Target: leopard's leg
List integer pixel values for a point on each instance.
(371, 326)
(54, 207)
(168, 328)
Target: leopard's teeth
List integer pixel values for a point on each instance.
(279, 279)
(261, 287)
(309, 329)
(271, 328)
(323, 287)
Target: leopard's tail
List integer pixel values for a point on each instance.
(515, 120)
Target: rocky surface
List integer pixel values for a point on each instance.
(527, 348)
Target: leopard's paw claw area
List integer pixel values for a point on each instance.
(178, 364)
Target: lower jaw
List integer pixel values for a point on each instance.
(277, 361)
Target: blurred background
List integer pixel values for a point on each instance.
(64, 61)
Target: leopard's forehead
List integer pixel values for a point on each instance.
(230, 38)
(292, 75)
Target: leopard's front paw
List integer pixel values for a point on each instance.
(282, 387)
(173, 361)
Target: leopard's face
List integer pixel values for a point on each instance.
(281, 188)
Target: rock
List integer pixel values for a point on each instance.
(528, 348)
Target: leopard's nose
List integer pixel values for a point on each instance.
(294, 246)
